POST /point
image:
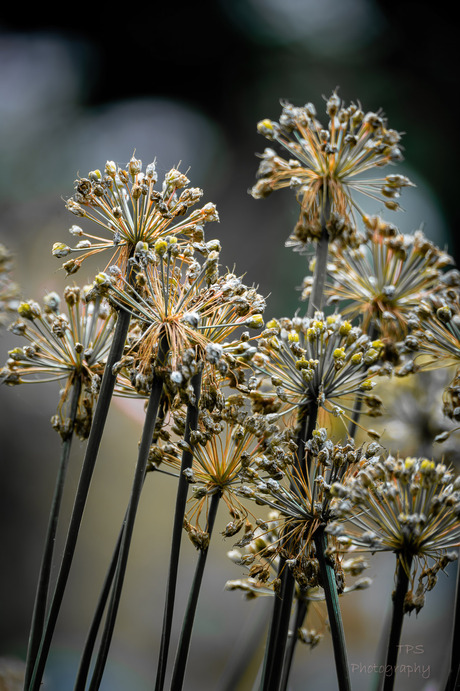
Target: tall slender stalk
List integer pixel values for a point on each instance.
(85, 662)
(92, 448)
(301, 613)
(191, 424)
(333, 610)
(189, 618)
(399, 595)
(373, 334)
(279, 625)
(41, 596)
(316, 299)
(128, 527)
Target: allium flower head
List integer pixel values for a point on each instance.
(128, 207)
(386, 277)
(223, 448)
(67, 347)
(434, 341)
(328, 165)
(319, 360)
(407, 506)
(303, 504)
(259, 557)
(184, 299)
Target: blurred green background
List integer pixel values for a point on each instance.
(187, 82)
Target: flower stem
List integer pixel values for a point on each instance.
(399, 595)
(322, 250)
(279, 626)
(301, 613)
(85, 661)
(128, 527)
(333, 610)
(181, 499)
(92, 448)
(372, 334)
(187, 626)
(41, 596)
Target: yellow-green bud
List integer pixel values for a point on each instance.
(345, 328)
(161, 247)
(60, 249)
(255, 322)
(264, 125)
(16, 354)
(29, 310)
(101, 279)
(272, 324)
(378, 344)
(371, 355)
(427, 466)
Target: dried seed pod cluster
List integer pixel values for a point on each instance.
(328, 165)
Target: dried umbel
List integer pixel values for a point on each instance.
(224, 448)
(434, 342)
(328, 165)
(322, 361)
(385, 278)
(407, 506)
(259, 555)
(63, 347)
(303, 498)
(183, 299)
(129, 208)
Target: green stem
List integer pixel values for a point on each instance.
(279, 626)
(181, 500)
(453, 681)
(94, 441)
(128, 527)
(41, 596)
(85, 661)
(373, 334)
(399, 595)
(301, 613)
(316, 299)
(187, 626)
(333, 610)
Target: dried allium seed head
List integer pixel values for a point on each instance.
(127, 206)
(327, 165)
